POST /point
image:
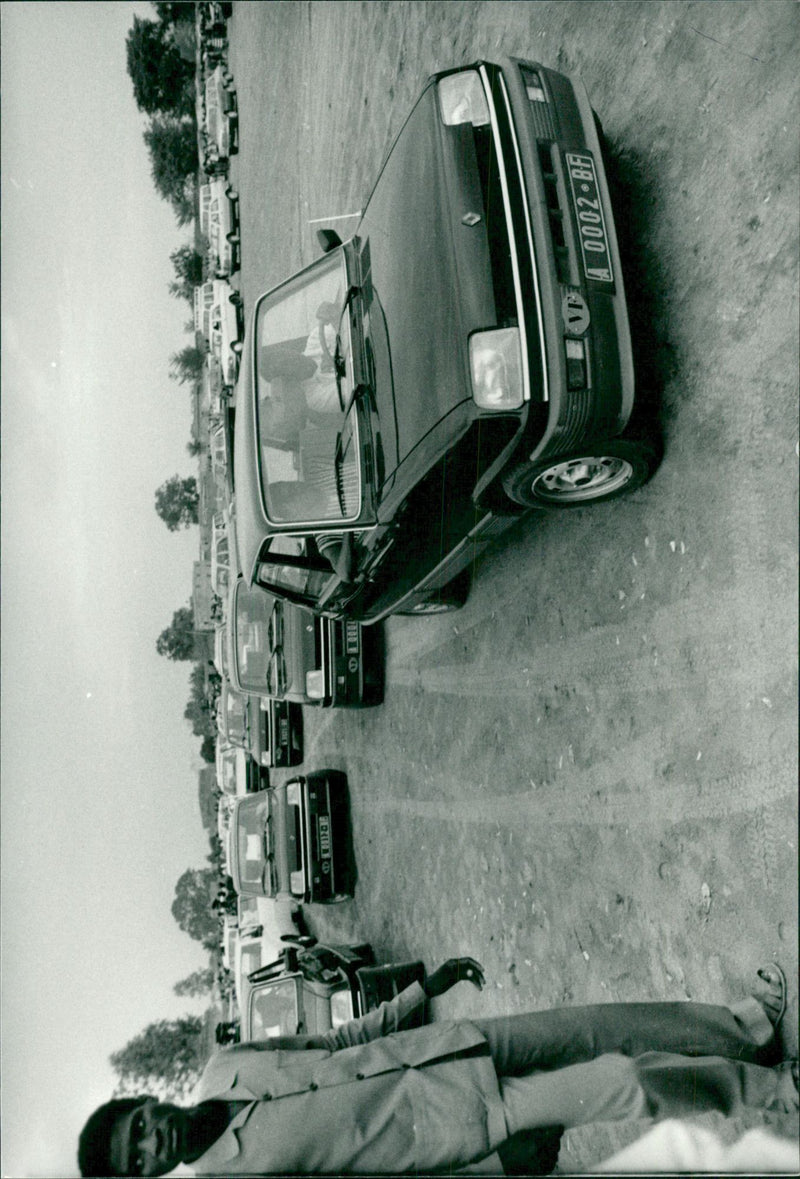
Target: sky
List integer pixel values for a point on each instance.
(99, 768)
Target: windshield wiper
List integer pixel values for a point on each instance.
(276, 668)
(275, 626)
(338, 468)
(339, 364)
(339, 370)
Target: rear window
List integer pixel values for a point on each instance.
(274, 1009)
(252, 840)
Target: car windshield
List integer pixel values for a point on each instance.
(308, 444)
(234, 717)
(274, 1009)
(248, 911)
(253, 845)
(228, 772)
(252, 613)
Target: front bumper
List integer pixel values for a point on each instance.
(325, 842)
(562, 301)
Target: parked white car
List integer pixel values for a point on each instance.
(221, 118)
(219, 223)
(224, 565)
(237, 774)
(218, 316)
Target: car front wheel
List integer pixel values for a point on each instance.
(597, 472)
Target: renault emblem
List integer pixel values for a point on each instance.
(470, 219)
(575, 313)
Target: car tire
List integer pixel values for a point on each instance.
(373, 691)
(594, 473)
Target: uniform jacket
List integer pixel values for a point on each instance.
(362, 1098)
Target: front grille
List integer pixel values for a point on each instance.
(541, 114)
(504, 158)
(555, 214)
(496, 229)
(573, 423)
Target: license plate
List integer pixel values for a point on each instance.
(324, 826)
(352, 637)
(589, 212)
(283, 732)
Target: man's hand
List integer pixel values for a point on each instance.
(451, 972)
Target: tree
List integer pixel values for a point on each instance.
(172, 144)
(191, 907)
(177, 502)
(188, 266)
(199, 982)
(208, 749)
(187, 365)
(165, 1059)
(200, 708)
(201, 718)
(175, 12)
(177, 641)
(163, 81)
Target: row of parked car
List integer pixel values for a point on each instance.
(287, 843)
(218, 316)
(463, 358)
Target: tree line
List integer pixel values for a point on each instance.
(166, 1058)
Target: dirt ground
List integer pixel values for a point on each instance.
(588, 777)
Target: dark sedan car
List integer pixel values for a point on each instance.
(466, 355)
(271, 731)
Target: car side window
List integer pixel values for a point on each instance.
(305, 574)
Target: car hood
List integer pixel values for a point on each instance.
(419, 264)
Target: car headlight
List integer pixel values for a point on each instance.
(315, 686)
(495, 362)
(341, 1007)
(461, 99)
(293, 792)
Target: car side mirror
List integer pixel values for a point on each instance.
(339, 552)
(328, 239)
(303, 941)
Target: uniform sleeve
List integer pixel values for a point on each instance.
(381, 1022)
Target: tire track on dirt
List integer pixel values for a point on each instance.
(632, 658)
(748, 789)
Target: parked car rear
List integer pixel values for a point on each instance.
(286, 652)
(293, 840)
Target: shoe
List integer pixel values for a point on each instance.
(772, 975)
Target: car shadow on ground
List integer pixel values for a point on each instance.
(634, 193)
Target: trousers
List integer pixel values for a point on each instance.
(654, 1085)
(611, 1061)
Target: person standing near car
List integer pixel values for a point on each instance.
(366, 1097)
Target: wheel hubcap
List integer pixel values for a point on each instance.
(583, 478)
